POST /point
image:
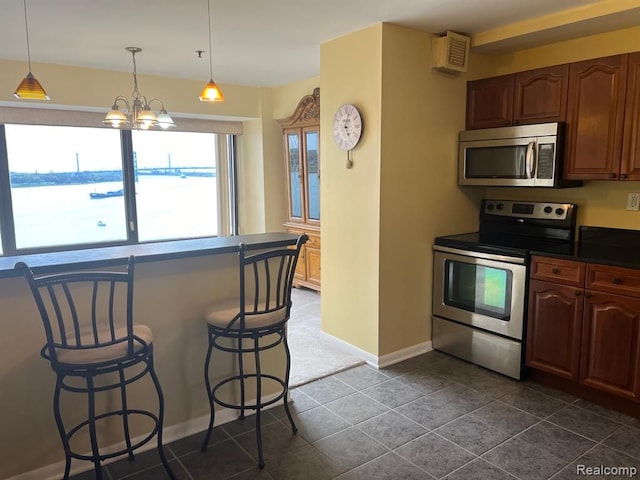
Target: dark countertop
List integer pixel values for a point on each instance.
(146, 252)
(607, 246)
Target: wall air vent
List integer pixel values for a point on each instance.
(450, 53)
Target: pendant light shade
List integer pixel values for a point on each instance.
(29, 88)
(211, 92)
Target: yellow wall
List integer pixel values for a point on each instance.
(380, 218)
(600, 203)
(95, 89)
(422, 112)
(351, 69)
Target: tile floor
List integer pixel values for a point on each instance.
(433, 416)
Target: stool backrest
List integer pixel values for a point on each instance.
(84, 309)
(266, 279)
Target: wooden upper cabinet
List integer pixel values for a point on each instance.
(534, 96)
(541, 95)
(630, 164)
(490, 102)
(595, 115)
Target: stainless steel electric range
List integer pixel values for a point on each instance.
(480, 280)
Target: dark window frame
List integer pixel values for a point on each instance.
(7, 224)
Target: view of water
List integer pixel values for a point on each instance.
(168, 207)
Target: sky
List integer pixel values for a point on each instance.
(46, 149)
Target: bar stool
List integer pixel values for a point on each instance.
(94, 347)
(253, 322)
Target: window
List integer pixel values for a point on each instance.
(78, 187)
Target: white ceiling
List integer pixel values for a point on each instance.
(255, 42)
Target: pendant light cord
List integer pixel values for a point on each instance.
(210, 43)
(26, 28)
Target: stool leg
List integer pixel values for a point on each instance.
(156, 382)
(207, 383)
(60, 424)
(125, 414)
(241, 373)
(256, 353)
(294, 429)
(92, 427)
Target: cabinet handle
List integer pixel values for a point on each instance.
(588, 294)
(623, 176)
(555, 270)
(515, 122)
(578, 293)
(612, 175)
(617, 280)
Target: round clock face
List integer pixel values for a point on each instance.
(347, 127)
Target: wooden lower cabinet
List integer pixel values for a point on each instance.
(588, 334)
(308, 268)
(611, 344)
(554, 328)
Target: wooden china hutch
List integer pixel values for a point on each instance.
(301, 133)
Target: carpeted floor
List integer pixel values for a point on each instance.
(313, 355)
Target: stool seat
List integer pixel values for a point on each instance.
(226, 316)
(70, 357)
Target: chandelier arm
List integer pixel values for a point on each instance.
(124, 100)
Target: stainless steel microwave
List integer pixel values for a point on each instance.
(519, 156)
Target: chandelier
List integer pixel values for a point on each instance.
(137, 113)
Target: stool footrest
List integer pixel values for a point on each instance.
(251, 406)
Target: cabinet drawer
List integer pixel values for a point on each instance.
(314, 237)
(558, 270)
(606, 278)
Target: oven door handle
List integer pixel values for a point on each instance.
(480, 255)
(531, 159)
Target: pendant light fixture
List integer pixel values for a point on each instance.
(211, 92)
(137, 113)
(29, 87)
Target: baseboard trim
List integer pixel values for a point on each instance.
(404, 354)
(169, 434)
(384, 360)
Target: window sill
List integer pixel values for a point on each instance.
(147, 252)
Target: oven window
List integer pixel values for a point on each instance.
(478, 288)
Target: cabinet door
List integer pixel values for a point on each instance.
(490, 102)
(630, 165)
(311, 160)
(595, 114)
(313, 266)
(611, 343)
(541, 95)
(554, 328)
(295, 174)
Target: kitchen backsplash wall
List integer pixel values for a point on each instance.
(600, 203)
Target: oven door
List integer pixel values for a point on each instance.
(481, 290)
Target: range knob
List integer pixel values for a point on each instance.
(559, 211)
(548, 209)
(500, 206)
(490, 206)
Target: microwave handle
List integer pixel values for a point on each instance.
(530, 159)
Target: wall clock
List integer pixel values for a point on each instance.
(347, 127)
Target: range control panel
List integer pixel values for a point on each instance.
(524, 210)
